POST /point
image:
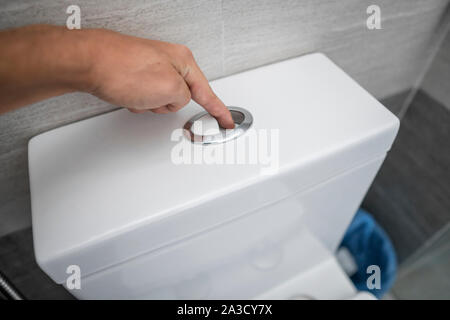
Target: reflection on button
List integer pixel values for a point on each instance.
(204, 129)
(206, 125)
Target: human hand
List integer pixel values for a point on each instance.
(144, 75)
(42, 61)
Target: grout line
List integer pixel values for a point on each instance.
(438, 41)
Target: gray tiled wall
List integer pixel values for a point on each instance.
(437, 80)
(410, 196)
(420, 227)
(226, 37)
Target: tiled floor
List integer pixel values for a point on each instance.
(18, 264)
(426, 275)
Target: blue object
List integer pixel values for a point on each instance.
(369, 245)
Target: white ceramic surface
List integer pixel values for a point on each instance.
(107, 196)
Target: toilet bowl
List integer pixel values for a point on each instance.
(144, 208)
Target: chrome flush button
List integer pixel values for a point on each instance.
(242, 120)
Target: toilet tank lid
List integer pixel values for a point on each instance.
(105, 176)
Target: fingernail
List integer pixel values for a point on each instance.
(229, 125)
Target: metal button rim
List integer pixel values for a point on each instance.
(224, 135)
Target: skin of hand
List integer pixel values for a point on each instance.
(42, 61)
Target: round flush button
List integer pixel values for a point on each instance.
(194, 132)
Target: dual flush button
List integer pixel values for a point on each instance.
(204, 129)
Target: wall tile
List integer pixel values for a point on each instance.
(395, 103)
(196, 24)
(437, 80)
(410, 196)
(14, 191)
(383, 61)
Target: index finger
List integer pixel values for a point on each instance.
(202, 93)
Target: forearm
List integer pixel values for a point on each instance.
(42, 61)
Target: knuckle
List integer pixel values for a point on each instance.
(183, 95)
(184, 51)
(187, 98)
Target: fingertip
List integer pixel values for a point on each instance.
(226, 121)
(228, 125)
